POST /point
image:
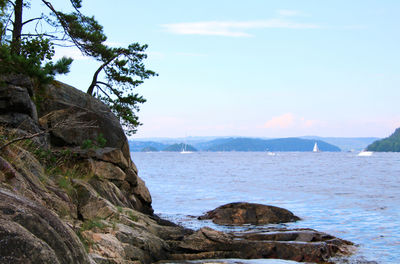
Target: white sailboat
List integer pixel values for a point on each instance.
(184, 151)
(315, 149)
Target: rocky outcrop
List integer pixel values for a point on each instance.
(61, 100)
(249, 213)
(112, 161)
(61, 202)
(304, 245)
(17, 109)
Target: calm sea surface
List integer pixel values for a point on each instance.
(354, 198)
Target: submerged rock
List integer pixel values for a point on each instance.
(249, 213)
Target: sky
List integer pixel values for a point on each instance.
(258, 68)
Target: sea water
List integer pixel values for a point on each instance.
(351, 197)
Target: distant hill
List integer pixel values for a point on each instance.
(236, 144)
(389, 144)
(346, 144)
(281, 144)
(204, 146)
(149, 149)
(136, 146)
(179, 147)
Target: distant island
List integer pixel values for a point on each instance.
(149, 149)
(237, 144)
(346, 143)
(280, 144)
(144, 146)
(180, 147)
(389, 144)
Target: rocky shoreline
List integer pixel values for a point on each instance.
(71, 194)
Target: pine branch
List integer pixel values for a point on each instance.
(31, 20)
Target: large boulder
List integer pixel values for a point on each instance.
(65, 104)
(249, 213)
(62, 100)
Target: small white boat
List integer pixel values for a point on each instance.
(364, 153)
(315, 149)
(270, 153)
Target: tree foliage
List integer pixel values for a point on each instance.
(122, 68)
(28, 46)
(389, 144)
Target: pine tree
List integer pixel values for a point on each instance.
(121, 70)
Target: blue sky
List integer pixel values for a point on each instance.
(259, 68)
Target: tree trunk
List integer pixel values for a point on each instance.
(17, 27)
(94, 80)
(96, 74)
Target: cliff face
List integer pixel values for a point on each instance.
(61, 192)
(70, 193)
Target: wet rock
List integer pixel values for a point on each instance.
(207, 239)
(208, 243)
(249, 213)
(303, 235)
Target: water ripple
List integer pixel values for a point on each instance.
(339, 193)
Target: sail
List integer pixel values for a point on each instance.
(315, 149)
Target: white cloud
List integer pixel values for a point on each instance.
(283, 121)
(232, 28)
